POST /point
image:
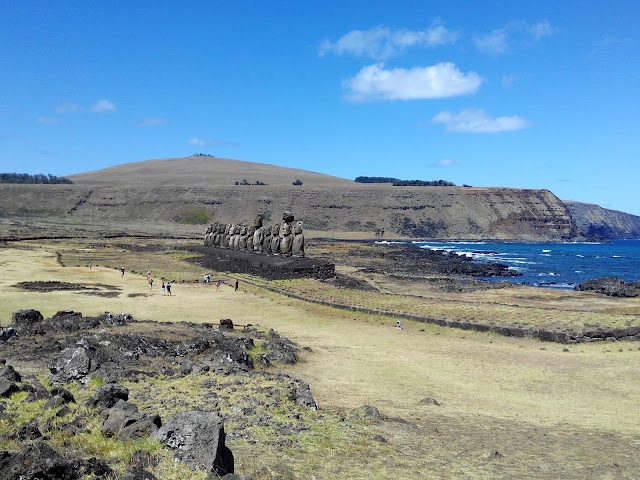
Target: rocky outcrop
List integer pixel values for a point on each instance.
(611, 286)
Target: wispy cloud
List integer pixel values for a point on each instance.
(500, 40)
(68, 107)
(152, 122)
(477, 121)
(47, 120)
(381, 42)
(437, 81)
(103, 106)
(201, 142)
(443, 163)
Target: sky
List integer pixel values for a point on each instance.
(523, 94)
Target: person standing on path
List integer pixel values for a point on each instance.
(236, 285)
(162, 290)
(122, 272)
(169, 288)
(148, 275)
(90, 265)
(218, 286)
(150, 283)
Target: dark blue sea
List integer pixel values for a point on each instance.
(554, 265)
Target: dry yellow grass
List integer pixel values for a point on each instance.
(552, 413)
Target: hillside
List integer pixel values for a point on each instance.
(418, 212)
(203, 190)
(202, 170)
(592, 219)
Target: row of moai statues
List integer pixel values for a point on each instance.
(286, 239)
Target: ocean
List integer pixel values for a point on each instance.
(553, 265)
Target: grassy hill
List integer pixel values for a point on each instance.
(203, 170)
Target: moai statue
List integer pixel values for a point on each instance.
(258, 238)
(227, 235)
(250, 234)
(266, 239)
(207, 236)
(218, 239)
(235, 238)
(242, 238)
(298, 240)
(286, 238)
(275, 238)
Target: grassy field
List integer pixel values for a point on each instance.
(509, 408)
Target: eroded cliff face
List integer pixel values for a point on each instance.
(593, 220)
(418, 212)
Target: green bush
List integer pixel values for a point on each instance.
(194, 216)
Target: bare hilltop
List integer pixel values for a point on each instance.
(202, 189)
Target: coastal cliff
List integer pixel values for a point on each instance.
(415, 212)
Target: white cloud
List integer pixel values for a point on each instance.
(437, 81)
(542, 29)
(493, 43)
(68, 107)
(151, 122)
(200, 142)
(477, 121)
(381, 42)
(443, 163)
(47, 120)
(500, 40)
(103, 106)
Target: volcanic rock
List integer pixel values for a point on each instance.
(198, 439)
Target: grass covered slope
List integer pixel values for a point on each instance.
(202, 170)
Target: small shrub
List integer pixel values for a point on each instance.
(194, 216)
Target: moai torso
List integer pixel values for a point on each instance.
(266, 239)
(250, 233)
(242, 238)
(298, 240)
(275, 239)
(286, 238)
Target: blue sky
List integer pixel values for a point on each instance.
(524, 94)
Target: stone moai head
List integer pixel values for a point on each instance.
(287, 217)
(267, 230)
(257, 223)
(251, 230)
(243, 230)
(275, 229)
(297, 228)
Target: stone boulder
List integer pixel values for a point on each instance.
(73, 363)
(108, 395)
(611, 286)
(197, 439)
(26, 317)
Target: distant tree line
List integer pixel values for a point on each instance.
(37, 178)
(203, 155)
(405, 183)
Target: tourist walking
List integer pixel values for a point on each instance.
(169, 288)
(122, 272)
(148, 275)
(150, 283)
(90, 265)
(236, 285)
(162, 289)
(218, 285)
